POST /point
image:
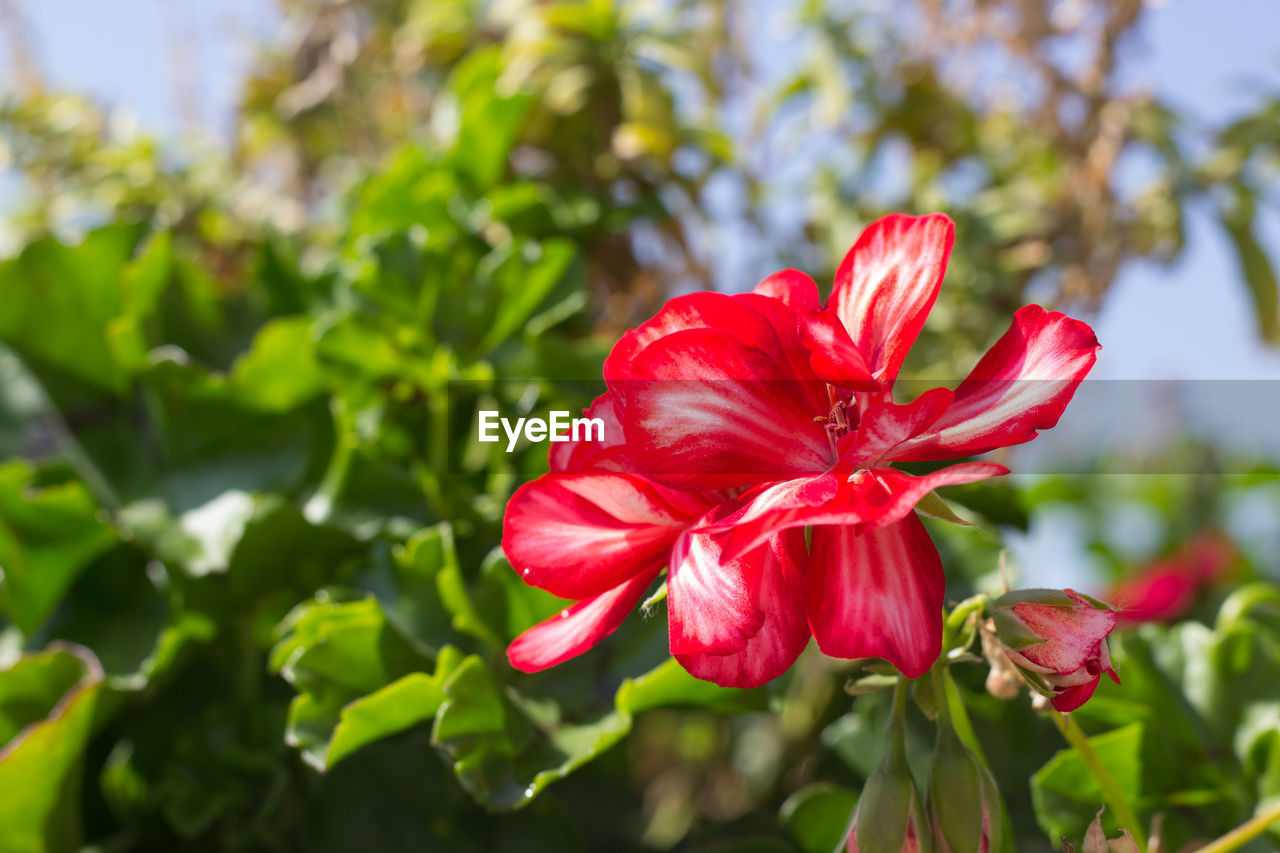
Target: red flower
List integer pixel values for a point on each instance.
(769, 392)
(748, 418)
(1058, 641)
(1166, 589)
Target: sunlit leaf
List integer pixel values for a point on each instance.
(47, 706)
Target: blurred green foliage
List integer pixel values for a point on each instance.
(252, 597)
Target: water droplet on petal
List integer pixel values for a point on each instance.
(524, 574)
(564, 614)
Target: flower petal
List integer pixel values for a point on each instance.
(877, 594)
(774, 507)
(580, 535)
(1022, 385)
(574, 630)
(887, 283)
(833, 356)
(738, 313)
(778, 590)
(709, 603)
(792, 287)
(901, 491)
(704, 410)
(870, 497)
(1073, 697)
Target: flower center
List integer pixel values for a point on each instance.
(840, 420)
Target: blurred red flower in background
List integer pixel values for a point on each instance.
(1167, 588)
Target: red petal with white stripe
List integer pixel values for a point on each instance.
(883, 426)
(607, 455)
(576, 629)
(705, 410)
(869, 498)
(739, 314)
(887, 283)
(1022, 385)
(877, 594)
(580, 535)
(709, 602)
(778, 589)
(833, 356)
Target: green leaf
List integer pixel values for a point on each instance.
(1255, 266)
(120, 607)
(280, 372)
(142, 283)
(670, 685)
(506, 749)
(344, 644)
(498, 755)
(488, 120)
(359, 678)
(431, 599)
(60, 302)
(410, 700)
(818, 815)
(512, 604)
(999, 503)
(47, 706)
(1065, 794)
(524, 288)
(935, 507)
(47, 537)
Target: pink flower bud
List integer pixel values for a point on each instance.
(1096, 841)
(1058, 641)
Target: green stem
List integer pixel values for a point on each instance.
(1111, 793)
(899, 709)
(957, 618)
(951, 711)
(1245, 832)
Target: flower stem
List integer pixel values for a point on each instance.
(899, 708)
(952, 713)
(1245, 832)
(1111, 793)
(957, 618)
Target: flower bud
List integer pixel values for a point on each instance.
(911, 844)
(1058, 641)
(890, 817)
(964, 803)
(1096, 841)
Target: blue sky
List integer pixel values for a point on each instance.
(1191, 321)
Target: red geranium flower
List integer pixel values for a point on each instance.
(750, 417)
(770, 392)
